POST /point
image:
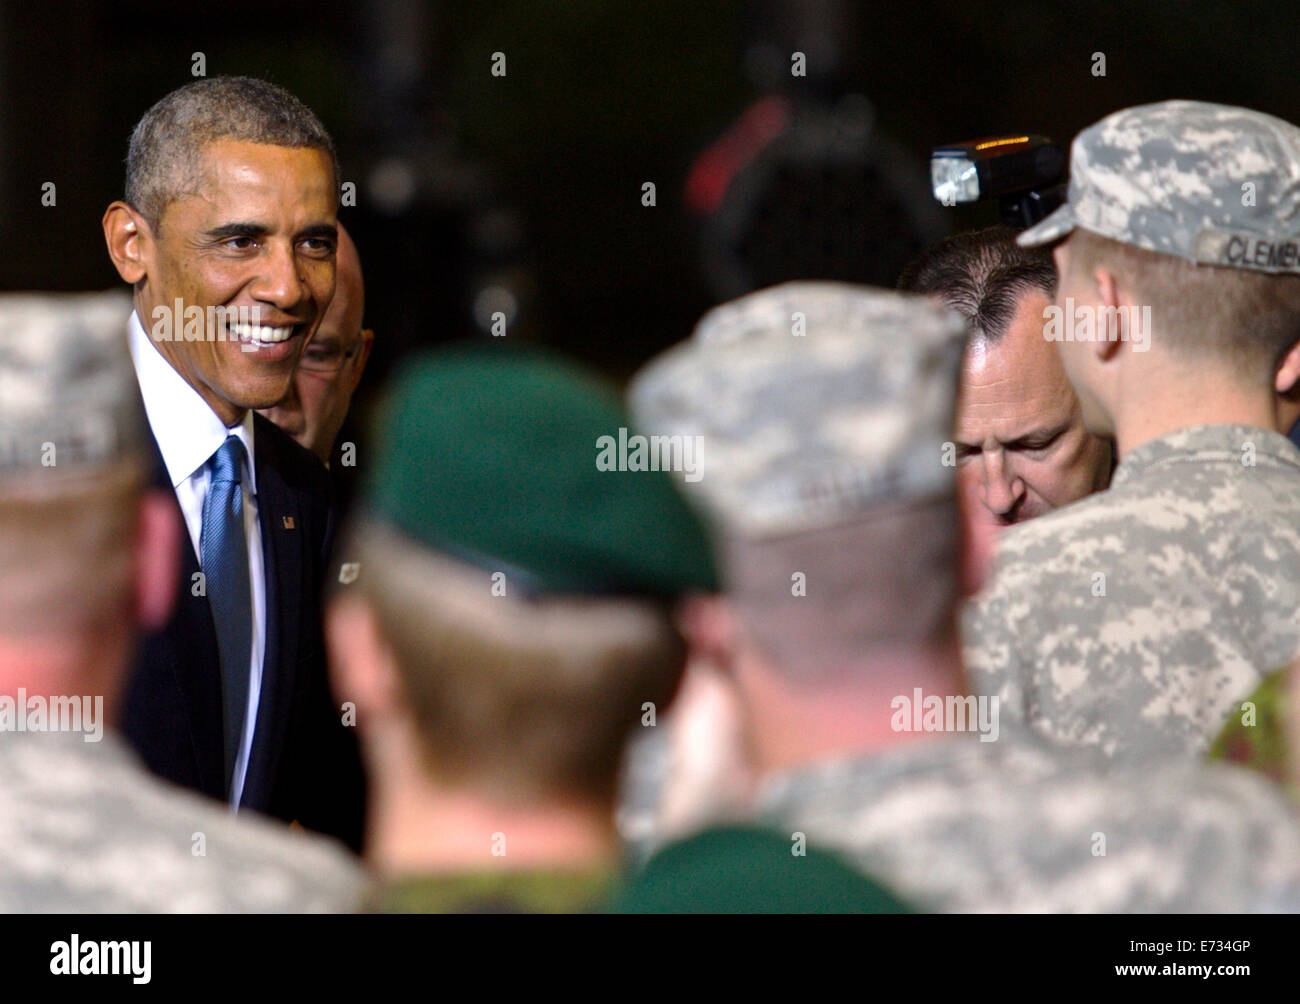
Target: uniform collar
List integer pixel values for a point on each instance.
(1018, 749)
(834, 772)
(1243, 444)
(525, 891)
(186, 429)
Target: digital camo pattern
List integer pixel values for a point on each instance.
(812, 400)
(955, 825)
(1136, 619)
(1210, 183)
(66, 378)
(84, 829)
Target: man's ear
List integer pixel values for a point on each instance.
(709, 627)
(979, 533)
(361, 664)
(157, 558)
(1288, 373)
(128, 238)
(367, 343)
(1109, 296)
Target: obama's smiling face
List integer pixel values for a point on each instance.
(1021, 443)
(332, 364)
(258, 235)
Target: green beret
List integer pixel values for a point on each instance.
(501, 458)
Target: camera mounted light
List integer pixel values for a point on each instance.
(954, 177)
(1025, 173)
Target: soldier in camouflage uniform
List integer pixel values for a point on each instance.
(1133, 621)
(824, 412)
(84, 556)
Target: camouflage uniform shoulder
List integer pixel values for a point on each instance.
(1040, 554)
(1044, 536)
(1175, 484)
(1051, 545)
(86, 829)
(1134, 619)
(1232, 826)
(961, 826)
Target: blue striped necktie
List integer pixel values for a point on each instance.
(225, 566)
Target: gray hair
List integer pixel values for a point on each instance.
(162, 162)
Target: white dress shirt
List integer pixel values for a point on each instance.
(188, 433)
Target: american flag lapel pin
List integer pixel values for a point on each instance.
(287, 521)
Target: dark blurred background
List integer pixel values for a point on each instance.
(523, 193)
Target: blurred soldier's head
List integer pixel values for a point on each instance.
(331, 364)
(1179, 265)
(86, 554)
(824, 411)
(231, 193)
(512, 617)
(1019, 432)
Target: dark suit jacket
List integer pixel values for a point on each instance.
(304, 763)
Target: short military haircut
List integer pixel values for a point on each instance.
(887, 580)
(982, 275)
(165, 155)
(520, 698)
(1246, 318)
(66, 558)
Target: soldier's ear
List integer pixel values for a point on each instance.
(1111, 297)
(707, 624)
(157, 557)
(129, 241)
(367, 343)
(978, 532)
(1288, 373)
(362, 667)
(1061, 259)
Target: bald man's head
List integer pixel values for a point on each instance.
(331, 364)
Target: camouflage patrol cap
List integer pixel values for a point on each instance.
(812, 401)
(1212, 184)
(68, 393)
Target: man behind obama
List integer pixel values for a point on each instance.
(228, 236)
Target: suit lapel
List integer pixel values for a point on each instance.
(279, 516)
(191, 658)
